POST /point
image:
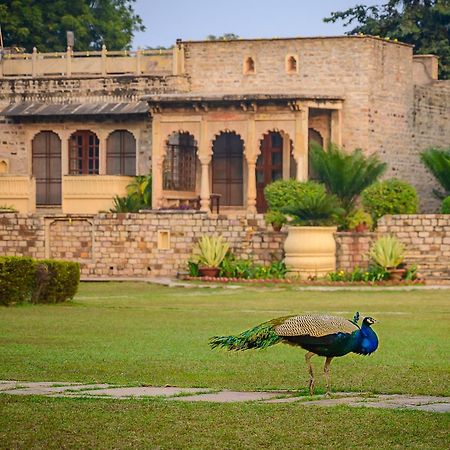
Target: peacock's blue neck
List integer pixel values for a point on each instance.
(367, 341)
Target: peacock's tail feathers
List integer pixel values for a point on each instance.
(261, 336)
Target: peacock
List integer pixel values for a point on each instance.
(322, 335)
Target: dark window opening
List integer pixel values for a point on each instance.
(180, 163)
(121, 153)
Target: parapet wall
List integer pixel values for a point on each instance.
(160, 243)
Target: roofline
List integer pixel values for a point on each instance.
(297, 38)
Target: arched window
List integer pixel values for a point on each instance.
(179, 168)
(121, 153)
(83, 153)
(291, 64)
(249, 65)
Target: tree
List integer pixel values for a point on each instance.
(44, 23)
(437, 162)
(224, 37)
(422, 23)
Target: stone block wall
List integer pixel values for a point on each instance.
(126, 245)
(352, 250)
(159, 243)
(426, 238)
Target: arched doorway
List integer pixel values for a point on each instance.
(228, 169)
(269, 166)
(180, 163)
(46, 168)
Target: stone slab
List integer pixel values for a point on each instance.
(228, 397)
(145, 391)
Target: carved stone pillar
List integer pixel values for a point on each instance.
(301, 142)
(157, 162)
(336, 127)
(102, 137)
(251, 186)
(205, 190)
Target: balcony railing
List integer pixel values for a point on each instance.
(95, 63)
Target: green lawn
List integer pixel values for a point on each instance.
(136, 333)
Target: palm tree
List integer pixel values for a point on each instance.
(438, 163)
(344, 174)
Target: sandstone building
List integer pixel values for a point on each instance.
(212, 117)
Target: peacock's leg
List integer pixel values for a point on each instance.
(327, 371)
(308, 357)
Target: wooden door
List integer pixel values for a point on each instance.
(269, 166)
(46, 168)
(227, 169)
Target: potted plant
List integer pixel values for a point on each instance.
(388, 252)
(276, 218)
(358, 220)
(310, 247)
(208, 253)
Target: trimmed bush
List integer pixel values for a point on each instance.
(445, 207)
(56, 281)
(390, 197)
(17, 275)
(282, 193)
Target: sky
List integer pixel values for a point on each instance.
(167, 20)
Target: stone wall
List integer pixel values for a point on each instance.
(134, 245)
(159, 243)
(426, 238)
(352, 250)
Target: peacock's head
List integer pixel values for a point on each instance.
(369, 321)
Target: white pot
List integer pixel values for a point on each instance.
(310, 251)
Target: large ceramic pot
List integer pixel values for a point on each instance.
(310, 251)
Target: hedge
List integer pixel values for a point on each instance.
(24, 279)
(17, 276)
(390, 197)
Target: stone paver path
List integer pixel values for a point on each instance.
(64, 389)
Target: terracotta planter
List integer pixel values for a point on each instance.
(310, 251)
(277, 227)
(209, 271)
(396, 274)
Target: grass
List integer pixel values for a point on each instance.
(36, 423)
(135, 333)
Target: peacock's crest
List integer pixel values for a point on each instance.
(356, 318)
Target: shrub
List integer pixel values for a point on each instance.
(438, 163)
(56, 281)
(282, 193)
(314, 207)
(445, 207)
(357, 218)
(390, 197)
(139, 196)
(387, 252)
(275, 218)
(345, 174)
(17, 276)
(210, 251)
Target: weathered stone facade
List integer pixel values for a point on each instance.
(358, 91)
(160, 243)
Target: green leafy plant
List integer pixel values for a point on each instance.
(140, 189)
(275, 218)
(314, 207)
(6, 208)
(282, 193)
(445, 206)
(139, 196)
(373, 273)
(357, 218)
(17, 275)
(56, 281)
(345, 174)
(438, 163)
(125, 204)
(390, 197)
(210, 251)
(387, 252)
